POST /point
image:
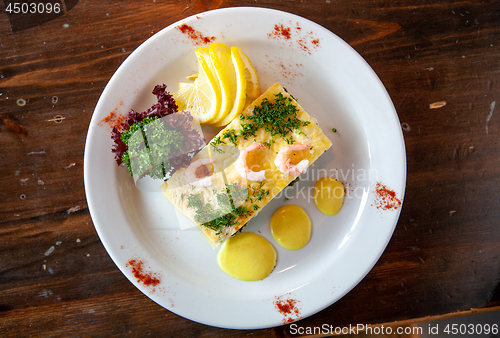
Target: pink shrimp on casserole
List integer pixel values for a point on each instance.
(193, 171)
(242, 167)
(283, 162)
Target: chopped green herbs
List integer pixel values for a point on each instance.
(242, 212)
(215, 144)
(231, 135)
(227, 211)
(258, 193)
(220, 223)
(334, 130)
(194, 201)
(277, 118)
(237, 194)
(261, 194)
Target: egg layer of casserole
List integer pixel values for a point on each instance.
(223, 207)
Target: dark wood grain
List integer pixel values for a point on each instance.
(444, 256)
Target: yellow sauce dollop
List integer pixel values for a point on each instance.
(291, 227)
(329, 195)
(247, 256)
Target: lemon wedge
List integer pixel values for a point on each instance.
(252, 81)
(202, 97)
(220, 55)
(225, 84)
(241, 99)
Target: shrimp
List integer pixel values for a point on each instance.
(282, 160)
(242, 167)
(191, 173)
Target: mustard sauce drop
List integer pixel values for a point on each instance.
(329, 195)
(291, 227)
(247, 256)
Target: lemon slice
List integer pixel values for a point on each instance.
(183, 85)
(202, 97)
(253, 87)
(240, 100)
(220, 55)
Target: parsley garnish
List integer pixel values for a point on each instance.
(215, 144)
(242, 211)
(277, 118)
(218, 224)
(259, 193)
(227, 212)
(237, 194)
(194, 201)
(231, 135)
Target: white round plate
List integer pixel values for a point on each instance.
(334, 85)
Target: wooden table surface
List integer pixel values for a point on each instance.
(444, 256)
